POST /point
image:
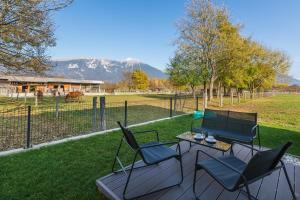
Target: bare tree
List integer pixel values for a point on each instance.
(26, 30)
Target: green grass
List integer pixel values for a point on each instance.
(69, 170)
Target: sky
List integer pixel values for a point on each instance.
(146, 29)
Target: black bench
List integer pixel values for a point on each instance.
(230, 126)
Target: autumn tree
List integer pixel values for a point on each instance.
(140, 80)
(26, 30)
(199, 31)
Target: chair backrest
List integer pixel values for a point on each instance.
(263, 162)
(215, 119)
(241, 122)
(129, 137)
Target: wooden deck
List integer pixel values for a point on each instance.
(166, 173)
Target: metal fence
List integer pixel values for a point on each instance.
(24, 126)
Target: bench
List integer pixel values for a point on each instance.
(229, 126)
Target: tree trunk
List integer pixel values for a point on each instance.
(219, 90)
(231, 96)
(211, 89)
(221, 98)
(193, 92)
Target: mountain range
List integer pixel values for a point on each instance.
(101, 69)
(285, 79)
(112, 70)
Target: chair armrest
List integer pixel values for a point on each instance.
(244, 145)
(220, 161)
(149, 131)
(254, 128)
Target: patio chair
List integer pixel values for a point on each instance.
(234, 174)
(152, 153)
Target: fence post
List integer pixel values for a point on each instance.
(125, 113)
(94, 112)
(28, 131)
(175, 101)
(197, 103)
(231, 97)
(56, 106)
(171, 106)
(102, 114)
(36, 100)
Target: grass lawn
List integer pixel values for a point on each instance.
(69, 170)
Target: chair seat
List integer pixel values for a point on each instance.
(158, 153)
(225, 134)
(224, 175)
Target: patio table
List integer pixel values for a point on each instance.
(218, 145)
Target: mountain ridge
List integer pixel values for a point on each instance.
(101, 69)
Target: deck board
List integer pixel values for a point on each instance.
(151, 178)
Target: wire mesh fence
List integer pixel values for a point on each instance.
(27, 125)
(24, 126)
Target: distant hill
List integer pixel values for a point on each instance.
(285, 79)
(101, 69)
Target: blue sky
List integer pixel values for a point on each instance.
(145, 29)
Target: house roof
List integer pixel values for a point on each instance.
(33, 79)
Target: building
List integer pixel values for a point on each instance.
(29, 84)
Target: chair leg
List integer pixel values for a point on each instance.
(128, 178)
(247, 192)
(258, 138)
(194, 184)
(135, 197)
(117, 154)
(181, 170)
(289, 182)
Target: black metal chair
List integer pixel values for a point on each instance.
(234, 174)
(151, 153)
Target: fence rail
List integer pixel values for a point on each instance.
(24, 126)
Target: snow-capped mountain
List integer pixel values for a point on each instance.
(101, 69)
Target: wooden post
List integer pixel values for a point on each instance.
(197, 103)
(56, 106)
(221, 99)
(171, 107)
(102, 114)
(239, 97)
(36, 99)
(25, 97)
(94, 113)
(231, 97)
(175, 98)
(204, 100)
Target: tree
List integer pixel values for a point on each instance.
(199, 31)
(184, 69)
(26, 31)
(233, 55)
(126, 82)
(263, 66)
(140, 80)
